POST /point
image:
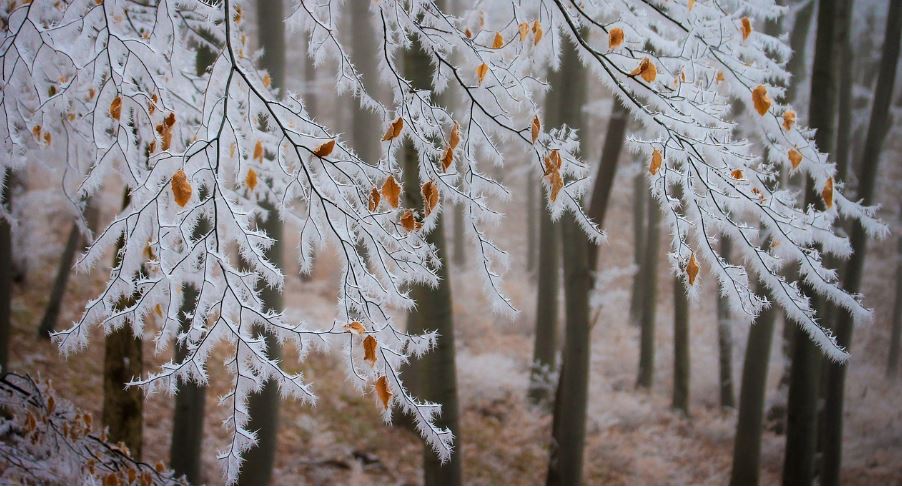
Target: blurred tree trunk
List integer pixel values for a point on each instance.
(892, 364)
(73, 243)
(263, 407)
(640, 197)
(435, 374)
(747, 444)
(6, 272)
(798, 38)
(365, 124)
(123, 409)
(532, 213)
(870, 158)
(725, 340)
(607, 170)
(460, 241)
(648, 274)
(544, 357)
(801, 409)
(58, 291)
(190, 397)
(569, 424)
(680, 346)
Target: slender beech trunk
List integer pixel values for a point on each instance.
(6, 272)
(123, 409)
(870, 158)
(640, 197)
(544, 356)
(725, 340)
(892, 363)
(680, 346)
(190, 397)
(801, 417)
(798, 38)
(532, 213)
(749, 424)
(607, 169)
(648, 274)
(435, 374)
(365, 124)
(55, 303)
(263, 406)
(569, 423)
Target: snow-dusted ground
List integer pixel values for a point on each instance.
(633, 437)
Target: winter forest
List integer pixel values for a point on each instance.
(450, 242)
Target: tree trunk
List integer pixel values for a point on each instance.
(640, 197)
(870, 158)
(892, 364)
(801, 417)
(188, 416)
(680, 346)
(798, 38)
(544, 356)
(725, 340)
(263, 407)
(365, 124)
(51, 313)
(747, 445)
(6, 273)
(569, 428)
(190, 397)
(123, 409)
(648, 275)
(434, 375)
(604, 180)
(532, 214)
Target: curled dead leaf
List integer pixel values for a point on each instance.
(761, 100)
(394, 129)
(391, 191)
(498, 41)
(557, 183)
(375, 197)
(789, 119)
(646, 69)
(267, 80)
(369, 350)
(481, 71)
(447, 158)
(454, 139)
(795, 157)
(324, 149)
(615, 38)
(523, 29)
(115, 107)
(251, 179)
(827, 193)
(409, 221)
(355, 327)
(656, 160)
(737, 174)
(181, 188)
(383, 391)
(537, 32)
(430, 196)
(536, 128)
(746, 27)
(692, 269)
(258, 151)
(720, 77)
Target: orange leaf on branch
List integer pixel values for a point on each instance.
(375, 197)
(430, 196)
(181, 188)
(761, 100)
(655, 164)
(615, 38)
(324, 149)
(383, 392)
(394, 129)
(369, 349)
(646, 69)
(391, 191)
(692, 269)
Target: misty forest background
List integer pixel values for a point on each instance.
(675, 391)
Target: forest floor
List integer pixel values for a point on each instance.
(633, 436)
